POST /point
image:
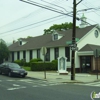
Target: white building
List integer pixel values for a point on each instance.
(56, 44)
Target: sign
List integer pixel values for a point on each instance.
(44, 50)
(70, 42)
(74, 48)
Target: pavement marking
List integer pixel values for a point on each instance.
(96, 84)
(10, 80)
(16, 85)
(16, 88)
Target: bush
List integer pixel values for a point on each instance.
(22, 62)
(55, 63)
(35, 66)
(35, 60)
(18, 62)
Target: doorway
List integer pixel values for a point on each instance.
(85, 64)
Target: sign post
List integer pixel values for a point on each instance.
(96, 54)
(44, 51)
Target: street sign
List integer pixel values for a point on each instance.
(70, 42)
(74, 48)
(73, 45)
(44, 50)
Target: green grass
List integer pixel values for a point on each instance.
(27, 68)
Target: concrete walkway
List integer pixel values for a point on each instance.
(54, 76)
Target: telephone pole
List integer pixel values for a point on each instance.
(73, 41)
(74, 45)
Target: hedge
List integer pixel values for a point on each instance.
(36, 66)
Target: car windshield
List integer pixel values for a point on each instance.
(12, 65)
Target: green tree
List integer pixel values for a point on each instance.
(4, 52)
(59, 27)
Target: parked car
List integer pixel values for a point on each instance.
(12, 69)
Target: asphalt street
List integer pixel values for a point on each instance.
(12, 88)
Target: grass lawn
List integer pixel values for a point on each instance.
(27, 68)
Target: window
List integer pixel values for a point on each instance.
(38, 53)
(55, 36)
(20, 42)
(30, 54)
(67, 53)
(56, 53)
(47, 57)
(24, 54)
(12, 56)
(18, 55)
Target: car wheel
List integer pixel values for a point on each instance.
(9, 74)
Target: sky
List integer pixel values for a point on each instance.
(19, 19)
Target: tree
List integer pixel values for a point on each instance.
(4, 52)
(59, 27)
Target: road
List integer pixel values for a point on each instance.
(34, 89)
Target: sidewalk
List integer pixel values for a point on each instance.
(54, 76)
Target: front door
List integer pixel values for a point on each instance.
(85, 62)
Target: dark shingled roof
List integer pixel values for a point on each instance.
(46, 40)
(90, 47)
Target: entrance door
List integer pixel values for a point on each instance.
(85, 64)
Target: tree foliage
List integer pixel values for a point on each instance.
(63, 26)
(4, 52)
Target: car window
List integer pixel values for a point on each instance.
(12, 65)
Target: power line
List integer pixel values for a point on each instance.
(54, 5)
(31, 24)
(45, 7)
(32, 27)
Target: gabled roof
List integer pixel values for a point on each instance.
(46, 40)
(90, 47)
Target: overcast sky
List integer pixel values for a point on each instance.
(20, 19)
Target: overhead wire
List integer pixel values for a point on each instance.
(32, 27)
(45, 7)
(33, 24)
(30, 24)
(55, 5)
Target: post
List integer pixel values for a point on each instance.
(44, 51)
(44, 68)
(96, 55)
(73, 41)
(97, 67)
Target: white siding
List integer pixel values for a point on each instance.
(34, 54)
(61, 51)
(89, 39)
(21, 55)
(15, 56)
(27, 56)
(51, 54)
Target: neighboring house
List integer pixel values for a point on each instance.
(89, 40)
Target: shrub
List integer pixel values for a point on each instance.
(35, 66)
(35, 60)
(18, 62)
(55, 63)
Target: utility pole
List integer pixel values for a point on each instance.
(73, 41)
